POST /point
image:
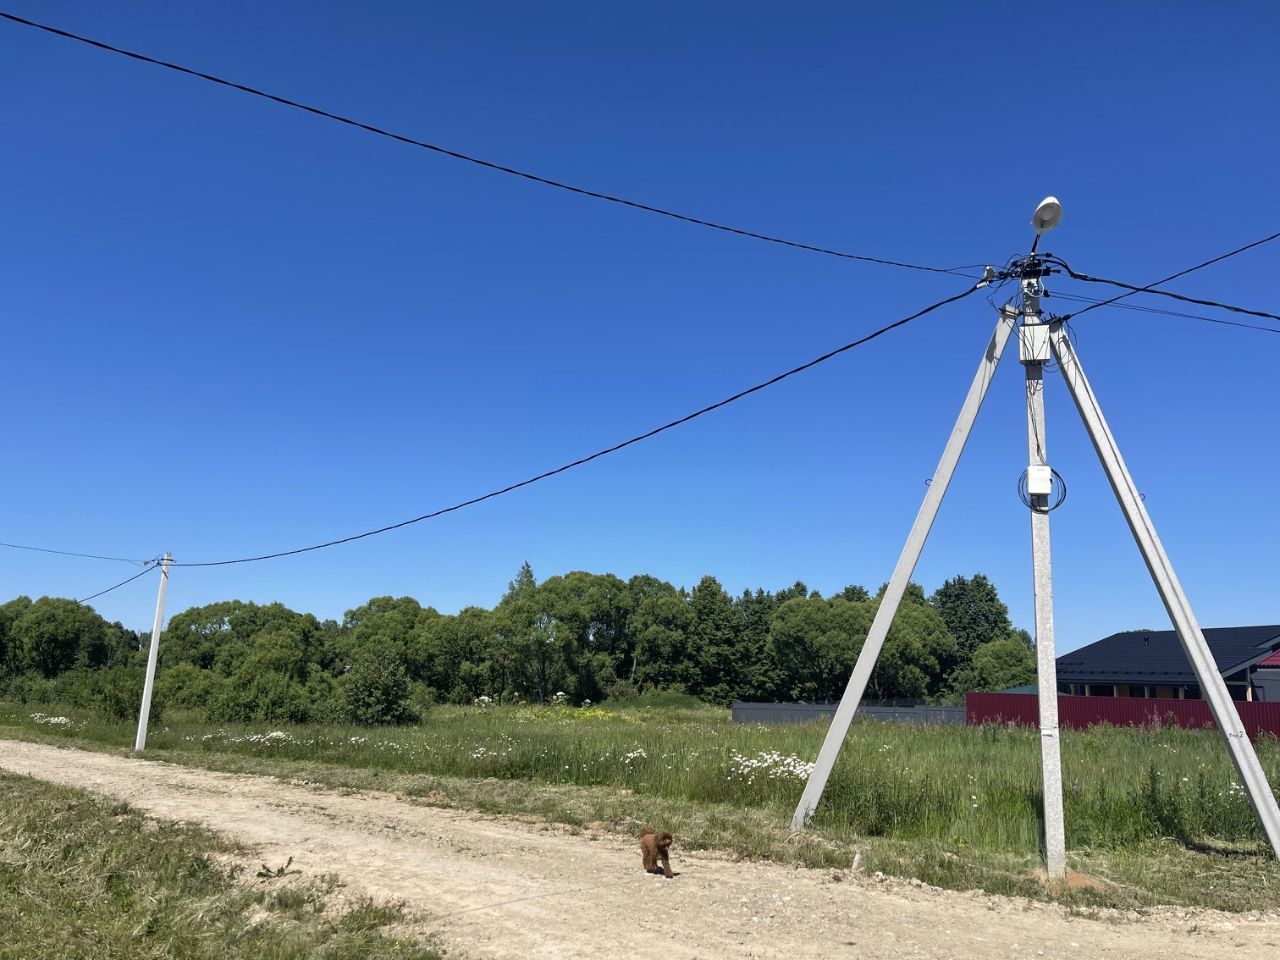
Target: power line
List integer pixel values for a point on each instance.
(1166, 313)
(1168, 293)
(1174, 276)
(488, 164)
(93, 596)
(68, 553)
(599, 453)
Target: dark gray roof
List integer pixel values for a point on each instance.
(1156, 656)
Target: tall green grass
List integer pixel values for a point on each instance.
(83, 878)
(974, 787)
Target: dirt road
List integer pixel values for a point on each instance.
(496, 889)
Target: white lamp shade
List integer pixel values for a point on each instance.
(1047, 215)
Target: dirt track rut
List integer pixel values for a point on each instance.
(496, 889)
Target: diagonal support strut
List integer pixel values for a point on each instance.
(1212, 686)
(840, 723)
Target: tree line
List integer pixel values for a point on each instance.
(578, 637)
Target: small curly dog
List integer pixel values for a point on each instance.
(654, 847)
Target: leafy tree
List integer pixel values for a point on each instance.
(813, 644)
(441, 645)
(972, 611)
(11, 652)
(376, 691)
(661, 621)
(917, 653)
(221, 635)
(913, 594)
(55, 634)
(997, 665)
(854, 593)
(591, 614)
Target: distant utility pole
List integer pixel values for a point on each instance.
(1039, 340)
(144, 715)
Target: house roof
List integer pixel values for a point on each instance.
(1156, 656)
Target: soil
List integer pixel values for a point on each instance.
(494, 888)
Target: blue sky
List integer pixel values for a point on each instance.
(233, 328)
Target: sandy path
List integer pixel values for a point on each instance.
(496, 889)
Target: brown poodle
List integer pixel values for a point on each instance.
(654, 847)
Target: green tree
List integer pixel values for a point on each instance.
(714, 635)
(855, 593)
(220, 635)
(54, 634)
(810, 648)
(996, 665)
(913, 594)
(520, 587)
(972, 611)
(11, 651)
(917, 654)
(376, 691)
(660, 625)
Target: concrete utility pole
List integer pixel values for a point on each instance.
(144, 715)
(1039, 340)
(1033, 342)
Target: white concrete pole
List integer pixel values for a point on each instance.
(1175, 601)
(1034, 352)
(144, 714)
(870, 652)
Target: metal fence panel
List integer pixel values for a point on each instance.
(1078, 713)
(807, 712)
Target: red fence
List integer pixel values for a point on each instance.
(1077, 713)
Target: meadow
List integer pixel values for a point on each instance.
(1156, 813)
(83, 878)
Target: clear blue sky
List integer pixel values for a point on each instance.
(233, 328)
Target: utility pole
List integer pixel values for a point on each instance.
(1038, 341)
(1034, 350)
(145, 713)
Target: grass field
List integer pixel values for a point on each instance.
(86, 878)
(1157, 813)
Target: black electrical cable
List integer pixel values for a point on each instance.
(488, 164)
(599, 453)
(93, 596)
(1166, 293)
(1175, 276)
(68, 553)
(1166, 313)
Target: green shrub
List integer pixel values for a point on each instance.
(376, 691)
(261, 697)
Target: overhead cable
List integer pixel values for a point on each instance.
(1175, 276)
(1165, 313)
(488, 164)
(599, 453)
(68, 553)
(93, 596)
(1166, 293)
